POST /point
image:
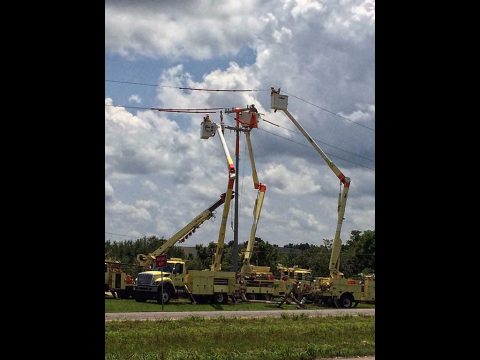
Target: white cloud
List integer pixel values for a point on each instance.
(118, 116)
(303, 7)
(147, 204)
(365, 113)
(300, 181)
(128, 211)
(282, 35)
(306, 221)
(197, 28)
(135, 98)
(164, 175)
(150, 185)
(108, 191)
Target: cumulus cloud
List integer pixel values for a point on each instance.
(150, 185)
(147, 204)
(131, 212)
(294, 182)
(303, 220)
(200, 29)
(108, 192)
(318, 51)
(365, 113)
(135, 99)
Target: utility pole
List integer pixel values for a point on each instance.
(237, 130)
(235, 221)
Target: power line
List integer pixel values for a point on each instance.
(238, 90)
(323, 142)
(335, 156)
(188, 111)
(182, 88)
(331, 112)
(283, 137)
(123, 235)
(130, 107)
(193, 111)
(228, 90)
(137, 83)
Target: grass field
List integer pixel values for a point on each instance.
(295, 337)
(129, 305)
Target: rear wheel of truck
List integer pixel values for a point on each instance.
(346, 300)
(220, 298)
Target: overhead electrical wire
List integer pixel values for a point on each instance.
(329, 111)
(321, 141)
(228, 90)
(188, 111)
(203, 112)
(129, 237)
(296, 142)
(240, 90)
(182, 87)
(211, 111)
(335, 156)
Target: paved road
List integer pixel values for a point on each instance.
(239, 314)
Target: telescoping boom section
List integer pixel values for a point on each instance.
(257, 209)
(280, 102)
(208, 129)
(182, 234)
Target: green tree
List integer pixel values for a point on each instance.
(359, 253)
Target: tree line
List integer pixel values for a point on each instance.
(357, 254)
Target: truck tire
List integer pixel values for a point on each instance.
(167, 294)
(346, 300)
(220, 298)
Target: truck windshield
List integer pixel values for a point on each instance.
(168, 268)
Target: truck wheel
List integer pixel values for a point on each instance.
(166, 296)
(220, 298)
(346, 300)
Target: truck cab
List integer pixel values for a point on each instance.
(149, 283)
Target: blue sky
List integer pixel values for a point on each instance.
(147, 71)
(159, 174)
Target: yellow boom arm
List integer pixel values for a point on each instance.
(217, 260)
(257, 209)
(280, 102)
(182, 234)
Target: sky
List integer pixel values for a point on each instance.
(159, 174)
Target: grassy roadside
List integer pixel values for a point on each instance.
(124, 305)
(289, 337)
